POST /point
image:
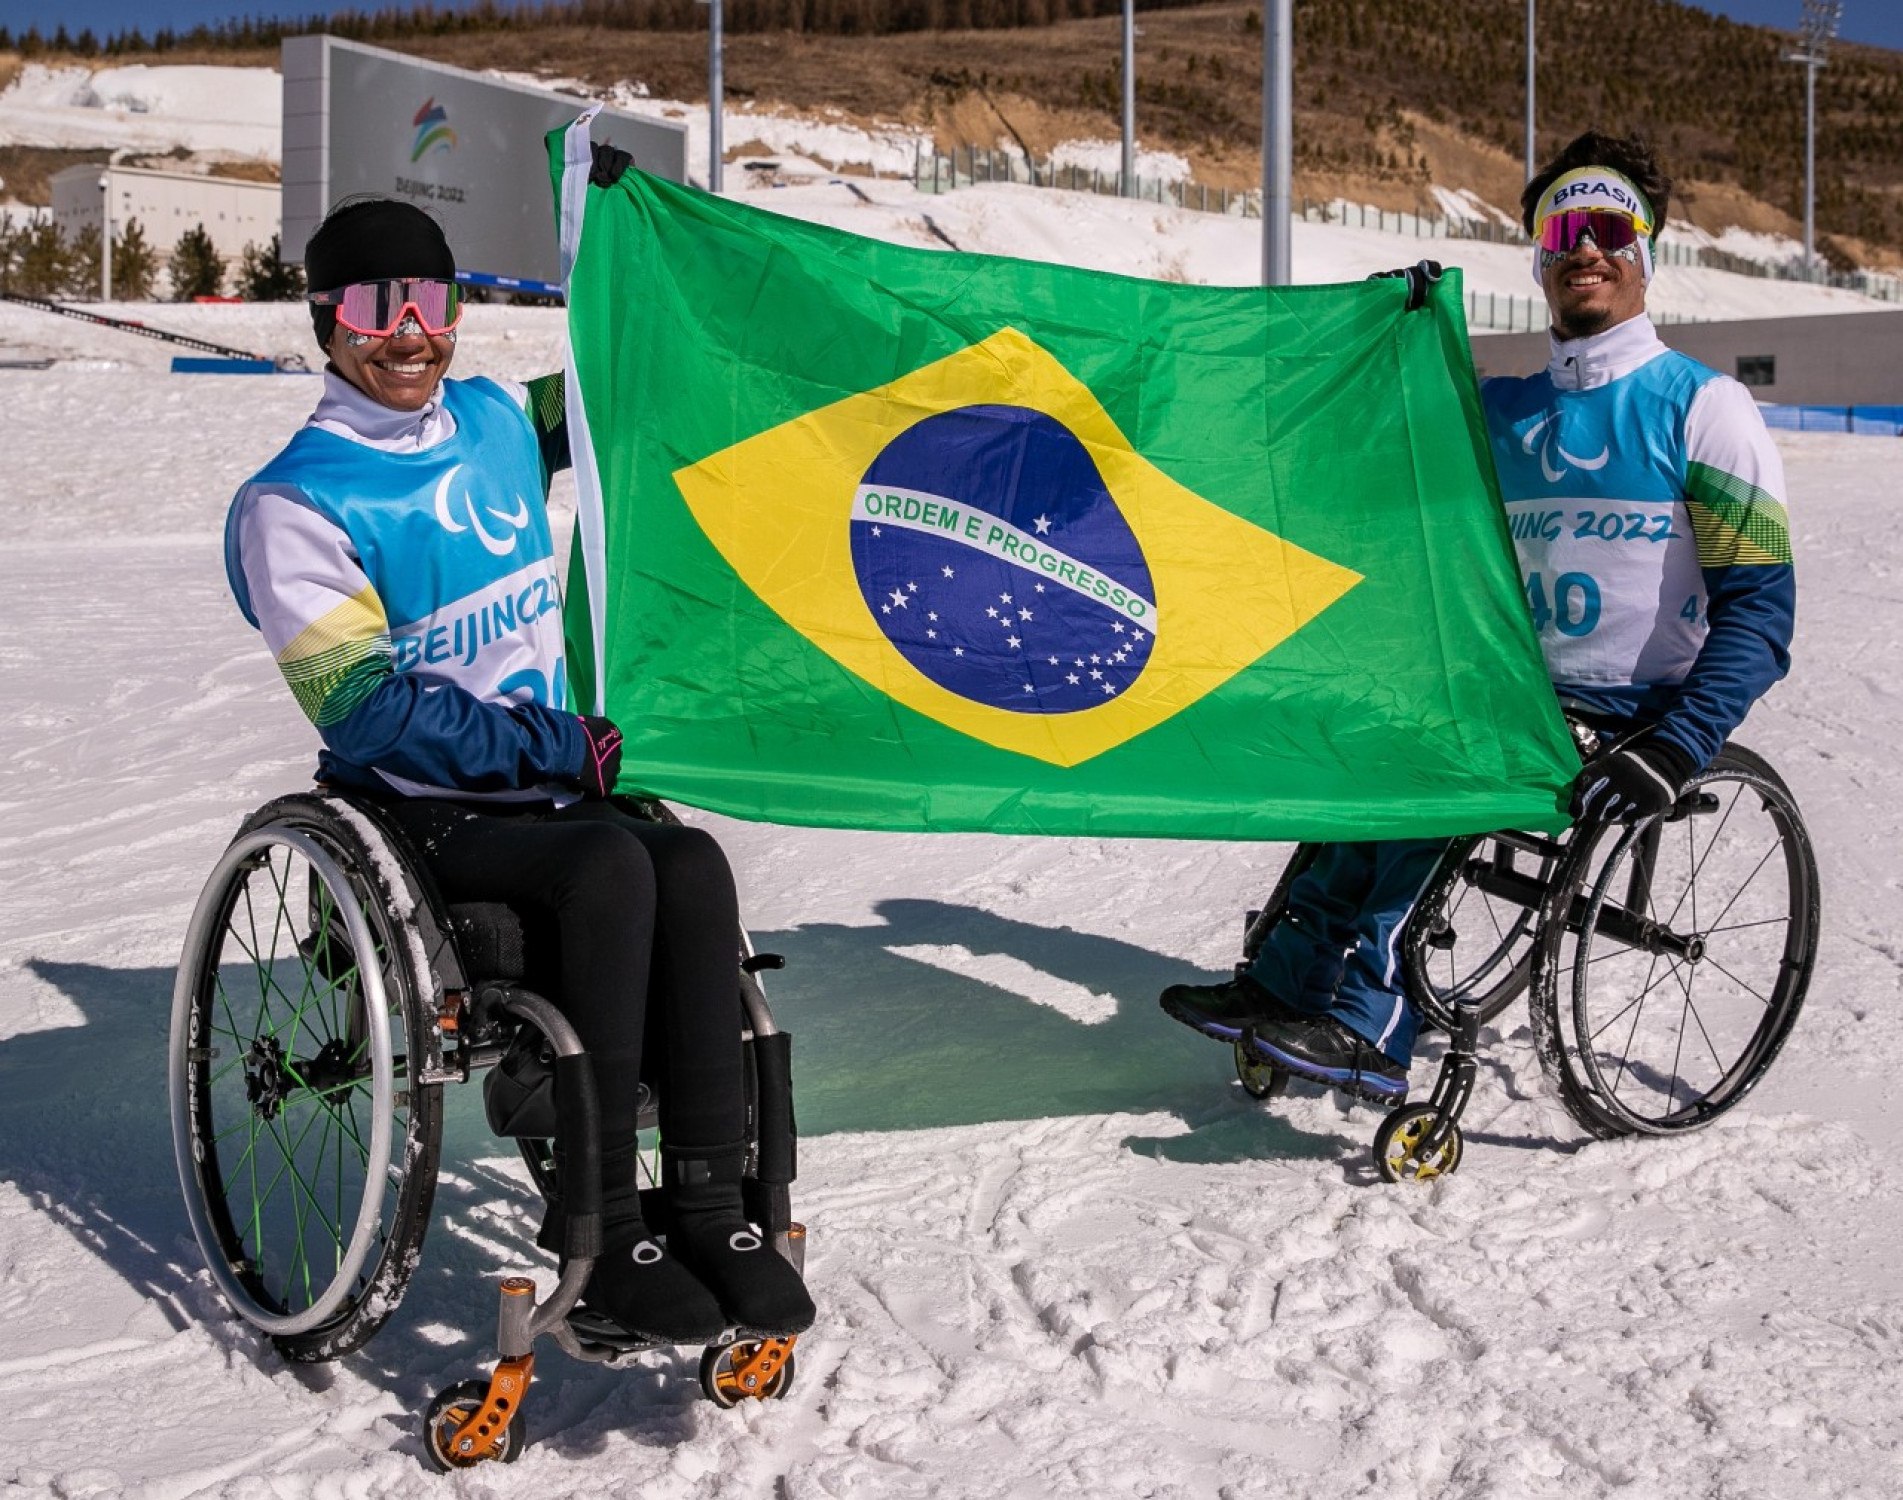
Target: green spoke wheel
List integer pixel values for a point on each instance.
(306, 1145)
(1675, 954)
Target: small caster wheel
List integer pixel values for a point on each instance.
(445, 1417)
(724, 1372)
(1397, 1146)
(1260, 1080)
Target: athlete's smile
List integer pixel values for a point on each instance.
(1590, 291)
(402, 371)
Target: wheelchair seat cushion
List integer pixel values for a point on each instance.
(489, 940)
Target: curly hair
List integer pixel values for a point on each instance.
(1630, 156)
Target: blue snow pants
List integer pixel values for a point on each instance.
(1336, 950)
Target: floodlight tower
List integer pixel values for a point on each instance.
(1128, 187)
(1816, 31)
(1532, 164)
(716, 93)
(1278, 151)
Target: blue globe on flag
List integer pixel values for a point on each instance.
(995, 560)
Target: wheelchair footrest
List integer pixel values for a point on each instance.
(602, 1331)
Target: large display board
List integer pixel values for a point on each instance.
(468, 148)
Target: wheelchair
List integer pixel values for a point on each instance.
(325, 996)
(1665, 962)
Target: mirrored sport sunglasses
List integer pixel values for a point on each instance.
(376, 308)
(1610, 229)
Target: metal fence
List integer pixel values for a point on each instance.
(933, 173)
(1872, 421)
(1494, 313)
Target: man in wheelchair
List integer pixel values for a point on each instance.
(1647, 504)
(397, 557)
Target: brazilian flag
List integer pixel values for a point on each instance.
(881, 537)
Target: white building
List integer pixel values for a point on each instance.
(235, 213)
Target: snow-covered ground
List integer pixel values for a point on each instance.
(1056, 1251)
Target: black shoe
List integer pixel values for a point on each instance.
(1322, 1050)
(757, 1288)
(653, 1297)
(1224, 1011)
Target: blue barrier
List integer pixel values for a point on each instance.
(1870, 421)
(186, 364)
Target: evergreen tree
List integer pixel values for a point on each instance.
(82, 266)
(40, 266)
(263, 275)
(196, 269)
(135, 264)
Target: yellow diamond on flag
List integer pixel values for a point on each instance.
(1193, 593)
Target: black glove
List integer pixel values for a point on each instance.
(1640, 781)
(602, 764)
(610, 162)
(1419, 277)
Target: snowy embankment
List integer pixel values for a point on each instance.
(227, 111)
(221, 111)
(1056, 1251)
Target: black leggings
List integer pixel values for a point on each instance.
(646, 931)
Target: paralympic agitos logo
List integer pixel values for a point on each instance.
(978, 541)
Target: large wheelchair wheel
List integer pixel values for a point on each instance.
(1471, 936)
(1674, 954)
(305, 1138)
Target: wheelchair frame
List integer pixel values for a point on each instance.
(1594, 888)
(322, 1001)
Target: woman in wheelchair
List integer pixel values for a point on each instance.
(397, 557)
(1646, 502)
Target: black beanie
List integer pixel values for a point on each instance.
(371, 239)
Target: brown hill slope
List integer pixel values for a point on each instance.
(1391, 94)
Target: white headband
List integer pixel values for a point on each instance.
(1595, 187)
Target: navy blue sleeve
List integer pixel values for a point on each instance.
(1750, 613)
(443, 736)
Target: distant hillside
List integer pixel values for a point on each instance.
(1391, 94)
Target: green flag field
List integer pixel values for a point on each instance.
(882, 537)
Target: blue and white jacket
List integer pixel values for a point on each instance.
(401, 569)
(1648, 506)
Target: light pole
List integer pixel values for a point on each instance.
(716, 95)
(1532, 165)
(1816, 30)
(105, 237)
(1129, 97)
(1278, 154)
